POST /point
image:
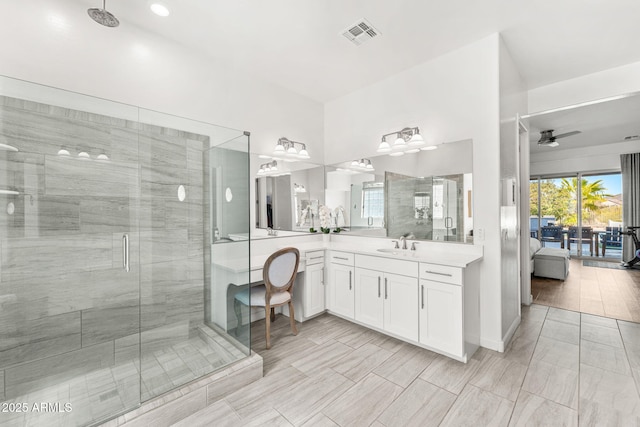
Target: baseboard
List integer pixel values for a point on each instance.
(492, 344)
(512, 329)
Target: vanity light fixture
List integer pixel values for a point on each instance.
(362, 165)
(268, 167)
(407, 140)
(290, 149)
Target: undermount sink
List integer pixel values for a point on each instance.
(391, 251)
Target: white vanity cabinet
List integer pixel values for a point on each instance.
(314, 284)
(309, 289)
(341, 290)
(386, 295)
(449, 310)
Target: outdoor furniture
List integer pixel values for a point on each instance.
(612, 238)
(552, 263)
(552, 234)
(587, 237)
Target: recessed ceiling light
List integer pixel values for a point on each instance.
(159, 9)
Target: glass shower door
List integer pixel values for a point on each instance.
(69, 280)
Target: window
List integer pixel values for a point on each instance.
(373, 200)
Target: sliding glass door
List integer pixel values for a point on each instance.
(581, 212)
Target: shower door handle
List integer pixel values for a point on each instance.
(125, 252)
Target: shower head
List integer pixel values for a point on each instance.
(102, 16)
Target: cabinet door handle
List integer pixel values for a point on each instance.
(438, 273)
(317, 257)
(342, 258)
(379, 287)
(350, 274)
(386, 294)
(422, 296)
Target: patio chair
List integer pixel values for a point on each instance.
(552, 234)
(611, 239)
(587, 237)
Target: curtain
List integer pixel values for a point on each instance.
(630, 165)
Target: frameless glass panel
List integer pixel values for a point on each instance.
(227, 300)
(178, 181)
(602, 214)
(69, 295)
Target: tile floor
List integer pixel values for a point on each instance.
(101, 393)
(562, 368)
(601, 291)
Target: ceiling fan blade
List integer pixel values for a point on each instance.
(564, 135)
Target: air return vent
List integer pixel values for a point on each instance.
(360, 32)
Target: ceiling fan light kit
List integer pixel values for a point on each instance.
(548, 139)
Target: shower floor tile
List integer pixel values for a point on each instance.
(112, 390)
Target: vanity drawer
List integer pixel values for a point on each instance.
(315, 257)
(344, 258)
(441, 273)
(388, 265)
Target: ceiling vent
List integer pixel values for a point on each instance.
(360, 32)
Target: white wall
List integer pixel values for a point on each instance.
(601, 158)
(453, 97)
(513, 100)
(590, 87)
(55, 43)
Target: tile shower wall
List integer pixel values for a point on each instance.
(400, 213)
(67, 306)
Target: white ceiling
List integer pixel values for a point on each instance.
(601, 123)
(298, 44)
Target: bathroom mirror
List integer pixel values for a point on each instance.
(286, 199)
(423, 196)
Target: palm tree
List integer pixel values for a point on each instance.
(592, 194)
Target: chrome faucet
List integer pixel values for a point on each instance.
(396, 246)
(404, 242)
(413, 245)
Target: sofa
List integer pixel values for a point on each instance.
(534, 246)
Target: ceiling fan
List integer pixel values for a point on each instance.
(548, 139)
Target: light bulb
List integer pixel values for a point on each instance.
(84, 155)
(384, 147)
(291, 151)
(416, 139)
(303, 154)
(279, 149)
(355, 163)
(399, 142)
(362, 164)
(63, 152)
(274, 167)
(369, 166)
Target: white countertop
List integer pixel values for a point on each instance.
(444, 257)
(447, 257)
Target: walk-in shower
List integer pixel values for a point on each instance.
(107, 218)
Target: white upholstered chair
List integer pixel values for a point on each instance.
(279, 274)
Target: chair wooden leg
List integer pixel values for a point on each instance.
(238, 311)
(292, 319)
(267, 322)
